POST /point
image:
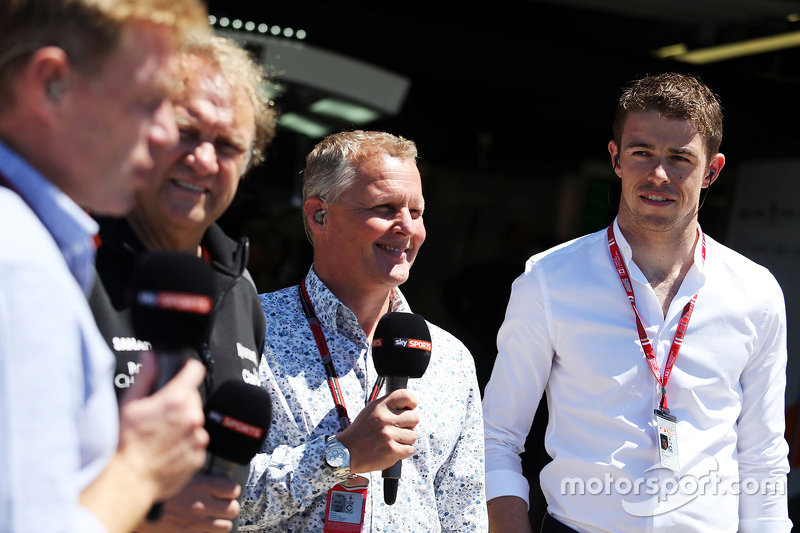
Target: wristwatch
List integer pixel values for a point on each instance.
(337, 458)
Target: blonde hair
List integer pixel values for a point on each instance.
(87, 30)
(244, 75)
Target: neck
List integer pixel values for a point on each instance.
(368, 307)
(154, 238)
(664, 258)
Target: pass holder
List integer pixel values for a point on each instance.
(667, 439)
(347, 502)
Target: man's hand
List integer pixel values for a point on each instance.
(161, 444)
(205, 505)
(383, 433)
(508, 514)
(162, 434)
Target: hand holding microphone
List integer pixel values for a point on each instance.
(401, 349)
(171, 304)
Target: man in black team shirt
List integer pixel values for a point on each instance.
(224, 124)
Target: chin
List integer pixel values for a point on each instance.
(113, 207)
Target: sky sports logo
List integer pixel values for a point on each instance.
(405, 343)
(665, 491)
(182, 302)
(234, 424)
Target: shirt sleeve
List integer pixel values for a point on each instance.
(459, 483)
(761, 446)
(42, 389)
(284, 480)
(519, 377)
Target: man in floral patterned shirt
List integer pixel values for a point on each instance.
(363, 209)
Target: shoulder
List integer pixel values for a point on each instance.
(449, 351)
(567, 264)
(282, 310)
(738, 272)
(570, 251)
(23, 237)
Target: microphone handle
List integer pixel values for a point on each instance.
(391, 476)
(219, 467)
(169, 364)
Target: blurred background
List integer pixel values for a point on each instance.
(511, 105)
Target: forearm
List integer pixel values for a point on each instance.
(508, 514)
(119, 497)
(284, 482)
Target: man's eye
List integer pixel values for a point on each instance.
(228, 149)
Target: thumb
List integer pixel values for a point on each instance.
(190, 376)
(145, 379)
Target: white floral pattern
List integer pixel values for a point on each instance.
(442, 485)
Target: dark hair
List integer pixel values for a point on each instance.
(678, 97)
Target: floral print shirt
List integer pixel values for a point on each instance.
(442, 484)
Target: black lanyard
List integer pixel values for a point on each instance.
(327, 360)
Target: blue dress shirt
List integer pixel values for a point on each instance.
(58, 414)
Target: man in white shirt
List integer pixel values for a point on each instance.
(614, 323)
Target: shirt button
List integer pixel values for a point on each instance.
(626, 250)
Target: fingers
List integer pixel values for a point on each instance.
(190, 376)
(383, 433)
(163, 432)
(400, 400)
(205, 505)
(217, 487)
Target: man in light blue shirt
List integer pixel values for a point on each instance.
(84, 90)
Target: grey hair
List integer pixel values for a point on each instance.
(332, 166)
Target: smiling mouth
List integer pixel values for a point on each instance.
(654, 198)
(390, 248)
(189, 186)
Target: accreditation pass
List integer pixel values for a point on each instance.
(667, 440)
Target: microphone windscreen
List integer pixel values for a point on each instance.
(401, 345)
(237, 420)
(171, 298)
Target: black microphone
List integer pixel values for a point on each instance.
(171, 300)
(170, 295)
(401, 349)
(237, 421)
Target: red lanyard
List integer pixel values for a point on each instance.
(647, 347)
(327, 360)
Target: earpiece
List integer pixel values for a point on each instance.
(712, 172)
(318, 216)
(616, 161)
(54, 89)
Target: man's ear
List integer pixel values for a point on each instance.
(613, 149)
(314, 210)
(43, 82)
(714, 168)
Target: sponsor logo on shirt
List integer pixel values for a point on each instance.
(246, 353)
(130, 344)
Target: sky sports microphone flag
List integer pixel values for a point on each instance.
(238, 416)
(401, 349)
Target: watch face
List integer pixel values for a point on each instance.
(337, 456)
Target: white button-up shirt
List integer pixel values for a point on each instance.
(570, 330)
